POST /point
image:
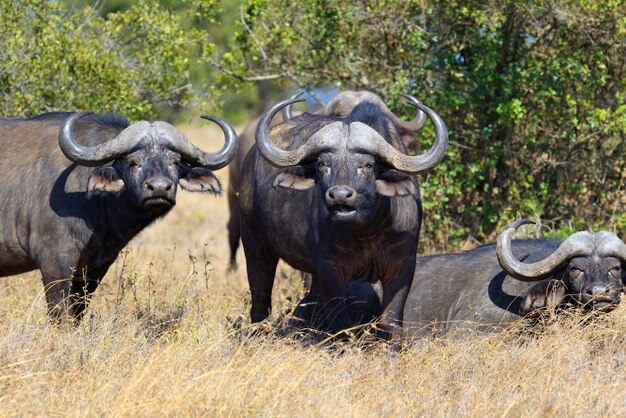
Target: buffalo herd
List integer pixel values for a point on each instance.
(333, 192)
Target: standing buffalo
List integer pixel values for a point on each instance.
(341, 105)
(334, 196)
(473, 290)
(69, 207)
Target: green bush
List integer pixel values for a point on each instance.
(55, 57)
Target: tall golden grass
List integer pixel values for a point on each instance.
(164, 336)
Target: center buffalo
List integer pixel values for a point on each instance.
(340, 105)
(341, 202)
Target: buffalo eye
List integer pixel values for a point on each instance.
(133, 163)
(616, 272)
(575, 272)
(369, 165)
(323, 166)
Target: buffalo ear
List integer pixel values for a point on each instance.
(293, 178)
(104, 179)
(394, 183)
(543, 295)
(201, 180)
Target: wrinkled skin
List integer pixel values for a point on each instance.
(470, 290)
(70, 221)
(340, 105)
(340, 216)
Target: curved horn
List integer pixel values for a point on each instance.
(195, 156)
(609, 245)
(287, 113)
(103, 153)
(578, 244)
(421, 163)
(273, 154)
(415, 125)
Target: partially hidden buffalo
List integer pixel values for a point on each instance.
(77, 187)
(334, 196)
(494, 285)
(340, 105)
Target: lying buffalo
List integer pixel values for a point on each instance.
(340, 105)
(473, 290)
(76, 188)
(334, 196)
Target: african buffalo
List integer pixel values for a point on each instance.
(77, 187)
(474, 290)
(340, 105)
(334, 196)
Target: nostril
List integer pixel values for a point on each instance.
(158, 185)
(597, 289)
(341, 194)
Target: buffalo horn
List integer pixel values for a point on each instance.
(271, 152)
(378, 146)
(179, 143)
(105, 152)
(130, 137)
(287, 113)
(577, 245)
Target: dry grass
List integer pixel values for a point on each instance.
(159, 339)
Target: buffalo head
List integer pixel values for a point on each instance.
(350, 159)
(148, 161)
(586, 268)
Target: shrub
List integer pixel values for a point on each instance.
(58, 58)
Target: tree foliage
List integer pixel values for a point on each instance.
(533, 93)
(56, 57)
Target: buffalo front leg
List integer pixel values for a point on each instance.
(83, 288)
(58, 280)
(395, 291)
(261, 264)
(331, 290)
(304, 312)
(68, 290)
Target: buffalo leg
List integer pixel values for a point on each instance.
(67, 291)
(305, 311)
(363, 302)
(83, 288)
(58, 280)
(395, 291)
(332, 299)
(234, 228)
(261, 264)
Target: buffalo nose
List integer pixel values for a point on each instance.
(597, 290)
(158, 185)
(340, 195)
